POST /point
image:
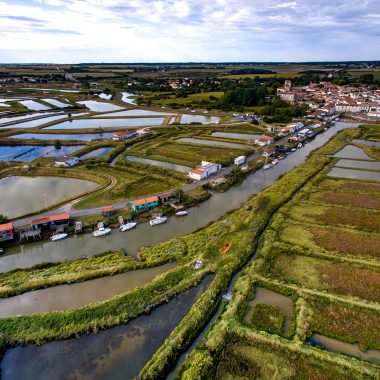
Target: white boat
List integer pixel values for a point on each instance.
(299, 146)
(267, 166)
(293, 149)
(127, 226)
(158, 220)
(101, 231)
(181, 213)
(58, 237)
(281, 157)
(275, 161)
(1, 250)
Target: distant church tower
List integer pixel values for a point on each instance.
(288, 85)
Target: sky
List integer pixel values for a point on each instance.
(74, 31)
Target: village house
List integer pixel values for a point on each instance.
(204, 170)
(264, 140)
(269, 151)
(124, 135)
(66, 161)
(145, 204)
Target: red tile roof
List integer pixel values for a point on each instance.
(139, 202)
(63, 216)
(6, 227)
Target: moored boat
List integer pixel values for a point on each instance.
(181, 213)
(58, 237)
(275, 161)
(267, 166)
(158, 220)
(127, 226)
(101, 231)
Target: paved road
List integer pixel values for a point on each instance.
(120, 205)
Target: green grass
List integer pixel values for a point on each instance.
(268, 318)
(348, 324)
(341, 278)
(251, 76)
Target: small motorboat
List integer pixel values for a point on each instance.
(127, 226)
(158, 220)
(267, 166)
(1, 250)
(181, 213)
(299, 146)
(293, 149)
(275, 161)
(58, 237)
(101, 231)
(281, 157)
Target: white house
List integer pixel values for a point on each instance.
(264, 140)
(124, 135)
(204, 170)
(66, 161)
(240, 160)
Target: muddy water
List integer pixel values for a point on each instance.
(354, 174)
(368, 142)
(187, 119)
(269, 297)
(167, 165)
(351, 151)
(117, 353)
(22, 195)
(73, 296)
(371, 165)
(212, 142)
(347, 349)
(108, 123)
(145, 235)
(96, 153)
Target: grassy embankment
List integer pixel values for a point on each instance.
(238, 230)
(230, 335)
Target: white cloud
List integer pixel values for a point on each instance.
(175, 30)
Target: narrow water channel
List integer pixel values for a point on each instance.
(334, 345)
(145, 235)
(117, 353)
(73, 296)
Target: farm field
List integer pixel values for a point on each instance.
(322, 250)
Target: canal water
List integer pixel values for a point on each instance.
(163, 164)
(347, 349)
(74, 136)
(97, 153)
(56, 103)
(73, 296)
(145, 235)
(354, 174)
(34, 106)
(371, 165)
(108, 123)
(187, 119)
(240, 136)
(36, 123)
(24, 117)
(95, 106)
(375, 144)
(22, 195)
(27, 153)
(117, 353)
(352, 151)
(213, 142)
(270, 297)
(135, 112)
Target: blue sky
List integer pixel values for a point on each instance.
(72, 31)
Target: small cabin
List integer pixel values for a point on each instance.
(6, 232)
(145, 203)
(107, 211)
(167, 198)
(59, 220)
